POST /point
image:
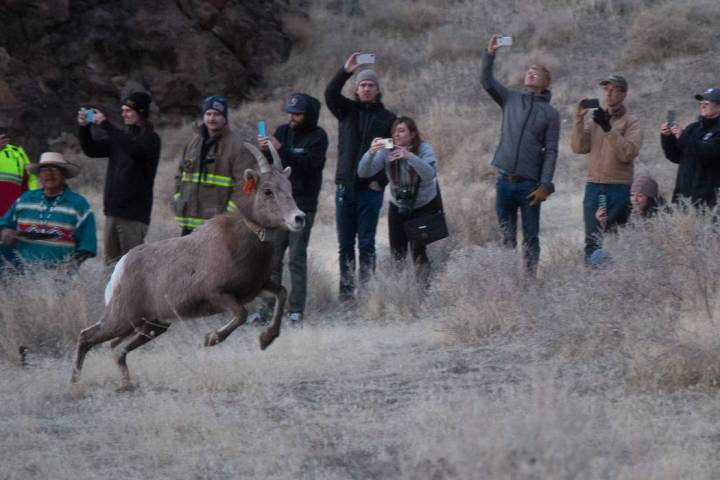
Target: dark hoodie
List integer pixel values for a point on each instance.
(697, 153)
(359, 123)
(530, 130)
(303, 150)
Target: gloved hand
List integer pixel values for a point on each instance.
(602, 118)
(537, 196)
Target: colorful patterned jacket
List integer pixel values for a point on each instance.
(67, 221)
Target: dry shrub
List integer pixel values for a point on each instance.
(405, 17)
(45, 309)
(672, 30)
(478, 294)
(395, 292)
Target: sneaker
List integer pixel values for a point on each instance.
(295, 316)
(263, 316)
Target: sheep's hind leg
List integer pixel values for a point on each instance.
(150, 330)
(87, 339)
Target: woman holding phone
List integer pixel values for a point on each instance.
(411, 167)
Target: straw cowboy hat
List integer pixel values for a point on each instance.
(56, 160)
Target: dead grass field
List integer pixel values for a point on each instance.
(609, 374)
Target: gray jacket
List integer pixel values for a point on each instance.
(424, 164)
(530, 130)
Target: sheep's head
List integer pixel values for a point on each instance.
(272, 204)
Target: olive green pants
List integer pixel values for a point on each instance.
(120, 235)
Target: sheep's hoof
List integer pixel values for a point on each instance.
(266, 338)
(212, 339)
(128, 387)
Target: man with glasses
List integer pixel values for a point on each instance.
(696, 150)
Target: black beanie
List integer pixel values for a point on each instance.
(140, 102)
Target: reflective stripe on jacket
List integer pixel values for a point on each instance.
(14, 179)
(204, 187)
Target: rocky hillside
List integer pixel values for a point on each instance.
(58, 54)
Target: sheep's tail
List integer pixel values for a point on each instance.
(114, 279)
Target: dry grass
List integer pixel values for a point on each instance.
(610, 373)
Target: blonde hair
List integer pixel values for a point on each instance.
(543, 70)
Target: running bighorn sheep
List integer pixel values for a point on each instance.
(221, 266)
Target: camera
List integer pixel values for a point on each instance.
(89, 115)
(388, 143)
(404, 197)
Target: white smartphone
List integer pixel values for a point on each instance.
(388, 143)
(365, 58)
(504, 41)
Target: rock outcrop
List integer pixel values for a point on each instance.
(56, 55)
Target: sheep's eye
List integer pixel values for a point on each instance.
(268, 192)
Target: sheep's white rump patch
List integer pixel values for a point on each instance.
(114, 279)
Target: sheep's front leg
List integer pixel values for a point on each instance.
(273, 331)
(240, 315)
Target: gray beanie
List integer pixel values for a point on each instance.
(646, 185)
(368, 74)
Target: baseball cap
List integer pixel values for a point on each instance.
(296, 104)
(711, 94)
(616, 80)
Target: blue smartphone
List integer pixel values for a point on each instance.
(602, 201)
(261, 128)
(89, 115)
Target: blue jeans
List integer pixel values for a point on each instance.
(9, 259)
(511, 196)
(356, 215)
(618, 210)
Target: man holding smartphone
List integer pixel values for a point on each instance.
(134, 153)
(612, 139)
(357, 200)
(302, 146)
(696, 150)
(526, 156)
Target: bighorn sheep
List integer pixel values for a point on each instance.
(221, 266)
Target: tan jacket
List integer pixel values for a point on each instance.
(612, 153)
(200, 196)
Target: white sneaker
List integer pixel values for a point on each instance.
(295, 317)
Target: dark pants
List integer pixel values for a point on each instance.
(9, 259)
(297, 243)
(511, 196)
(618, 211)
(356, 215)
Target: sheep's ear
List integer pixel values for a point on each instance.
(252, 174)
(287, 171)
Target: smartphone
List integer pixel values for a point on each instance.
(388, 143)
(365, 58)
(261, 128)
(89, 115)
(590, 103)
(504, 41)
(602, 201)
(671, 118)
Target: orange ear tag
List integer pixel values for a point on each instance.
(249, 186)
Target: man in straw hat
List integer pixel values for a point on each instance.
(52, 224)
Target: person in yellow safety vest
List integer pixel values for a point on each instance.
(210, 170)
(14, 179)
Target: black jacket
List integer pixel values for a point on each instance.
(131, 169)
(359, 123)
(697, 152)
(303, 149)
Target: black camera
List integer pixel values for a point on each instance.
(404, 199)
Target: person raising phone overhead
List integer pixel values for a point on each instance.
(525, 158)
